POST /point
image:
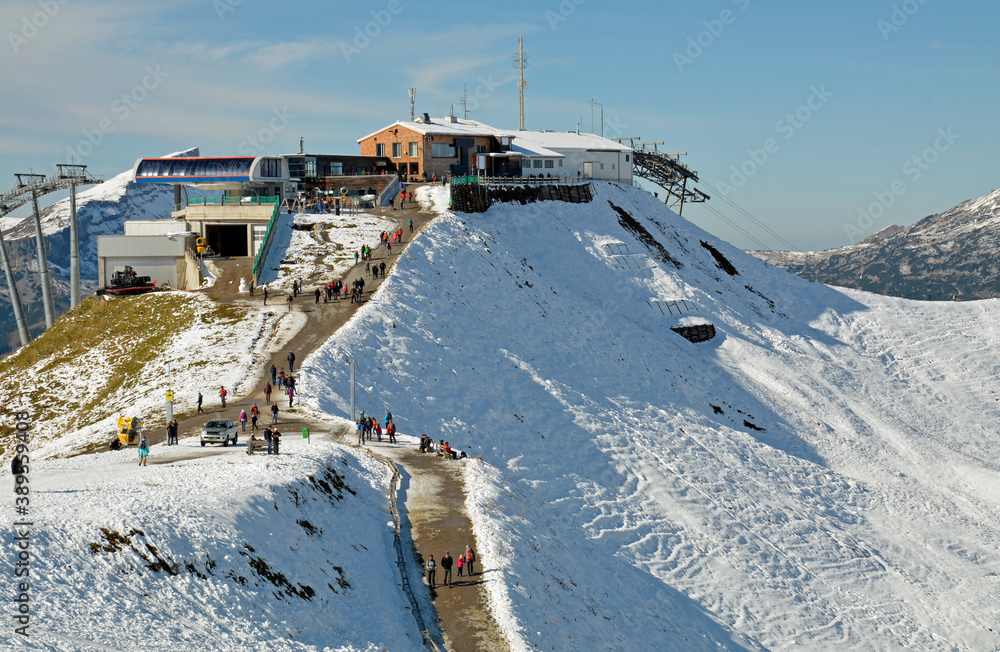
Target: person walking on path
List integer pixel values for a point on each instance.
(253, 422)
(446, 563)
(268, 439)
(276, 438)
(411, 225)
(281, 378)
(222, 395)
(267, 391)
(318, 292)
(143, 451)
(291, 395)
(470, 560)
(388, 418)
(361, 432)
(388, 246)
(243, 420)
(274, 412)
(265, 294)
(289, 300)
(431, 569)
(390, 429)
(381, 269)
(291, 362)
(200, 399)
(460, 564)
(274, 374)
(174, 427)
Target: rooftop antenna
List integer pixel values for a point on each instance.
(413, 99)
(465, 103)
(520, 62)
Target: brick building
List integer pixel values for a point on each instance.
(443, 146)
(455, 146)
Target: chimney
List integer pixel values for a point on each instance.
(427, 119)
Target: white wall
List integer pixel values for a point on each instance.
(615, 166)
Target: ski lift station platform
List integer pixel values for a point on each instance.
(239, 198)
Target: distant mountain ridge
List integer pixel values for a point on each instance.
(948, 255)
(101, 210)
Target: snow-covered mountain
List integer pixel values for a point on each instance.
(943, 256)
(822, 474)
(101, 210)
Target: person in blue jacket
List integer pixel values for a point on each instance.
(143, 451)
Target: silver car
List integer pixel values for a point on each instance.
(219, 431)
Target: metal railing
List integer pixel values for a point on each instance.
(266, 243)
(231, 201)
(398, 542)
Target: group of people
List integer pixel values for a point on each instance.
(367, 426)
(442, 448)
(271, 437)
(465, 563)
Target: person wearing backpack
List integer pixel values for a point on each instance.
(143, 451)
(470, 559)
(388, 418)
(390, 429)
(243, 420)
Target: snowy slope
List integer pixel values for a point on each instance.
(227, 552)
(820, 475)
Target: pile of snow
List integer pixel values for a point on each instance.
(821, 474)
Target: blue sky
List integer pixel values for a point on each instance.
(825, 122)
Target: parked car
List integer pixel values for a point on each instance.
(219, 431)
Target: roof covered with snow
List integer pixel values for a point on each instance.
(528, 143)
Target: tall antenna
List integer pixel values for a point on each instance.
(413, 99)
(465, 103)
(520, 63)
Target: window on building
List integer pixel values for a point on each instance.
(442, 150)
(560, 162)
(550, 163)
(537, 163)
(626, 158)
(336, 169)
(397, 150)
(414, 151)
(602, 166)
(380, 149)
(481, 149)
(310, 167)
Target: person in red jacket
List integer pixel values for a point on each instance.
(390, 429)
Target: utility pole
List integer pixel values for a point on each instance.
(354, 365)
(74, 250)
(15, 297)
(520, 62)
(43, 266)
